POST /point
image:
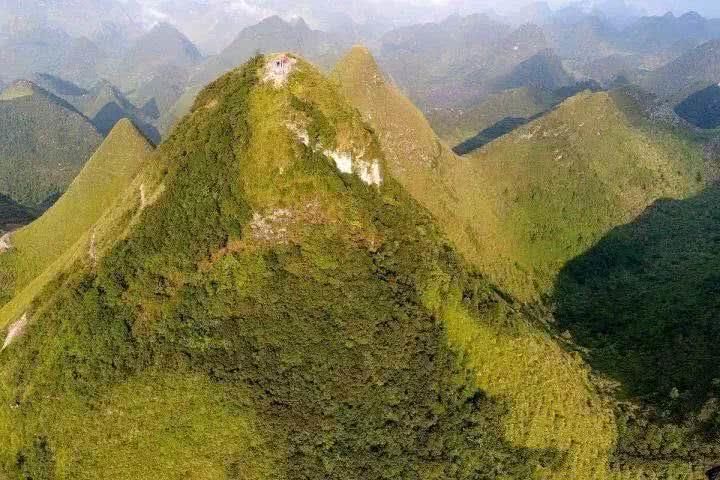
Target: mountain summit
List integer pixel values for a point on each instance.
(269, 304)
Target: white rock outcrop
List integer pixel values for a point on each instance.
(278, 69)
(15, 330)
(5, 243)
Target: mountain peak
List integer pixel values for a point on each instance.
(164, 41)
(360, 61)
(125, 128)
(259, 211)
(20, 89)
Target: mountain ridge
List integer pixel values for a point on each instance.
(36, 127)
(302, 203)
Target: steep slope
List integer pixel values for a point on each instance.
(509, 195)
(690, 72)
(643, 304)
(273, 35)
(105, 105)
(455, 125)
(702, 108)
(214, 321)
(542, 71)
(58, 86)
(543, 196)
(530, 369)
(457, 61)
(564, 180)
(44, 143)
(36, 247)
(162, 47)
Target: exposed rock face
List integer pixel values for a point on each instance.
(15, 330)
(278, 68)
(5, 243)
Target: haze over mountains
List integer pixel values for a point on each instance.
(382, 240)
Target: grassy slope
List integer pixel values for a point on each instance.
(190, 305)
(525, 205)
(551, 400)
(457, 125)
(39, 245)
(563, 181)
(44, 143)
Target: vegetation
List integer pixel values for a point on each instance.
(545, 194)
(471, 128)
(551, 401)
(37, 247)
(44, 143)
(702, 108)
(643, 301)
(457, 125)
(13, 215)
(247, 380)
(532, 200)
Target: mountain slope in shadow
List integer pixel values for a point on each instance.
(645, 301)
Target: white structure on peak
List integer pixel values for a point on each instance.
(278, 68)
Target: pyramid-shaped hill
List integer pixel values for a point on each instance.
(422, 163)
(522, 207)
(534, 199)
(282, 309)
(35, 248)
(44, 143)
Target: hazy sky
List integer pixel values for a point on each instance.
(706, 7)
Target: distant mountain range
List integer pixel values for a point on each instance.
(456, 62)
(306, 279)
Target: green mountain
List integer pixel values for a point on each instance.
(44, 143)
(507, 202)
(169, 345)
(455, 125)
(689, 73)
(545, 101)
(162, 47)
(643, 304)
(541, 381)
(702, 108)
(542, 71)
(542, 209)
(37, 247)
